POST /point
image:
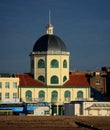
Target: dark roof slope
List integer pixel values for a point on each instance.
(49, 43)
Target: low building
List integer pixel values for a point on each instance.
(76, 88)
(24, 108)
(97, 109)
(9, 89)
(98, 82)
(81, 108)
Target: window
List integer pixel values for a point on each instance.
(15, 95)
(54, 96)
(79, 94)
(67, 95)
(42, 95)
(28, 95)
(97, 82)
(102, 90)
(41, 64)
(90, 112)
(54, 64)
(7, 85)
(0, 84)
(99, 112)
(14, 84)
(6, 95)
(54, 80)
(64, 78)
(64, 64)
(41, 78)
(0, 96)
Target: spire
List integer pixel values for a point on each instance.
(49, 28)
(49, 17)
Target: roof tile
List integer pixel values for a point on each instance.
(28, 80)
(74, 80)
(77, 80)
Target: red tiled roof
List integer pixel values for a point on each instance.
(74, 80)
(27, 80)
(77, 80)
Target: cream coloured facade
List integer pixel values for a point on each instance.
(97, 108)
(61, 98)
(9, 89)
(48, 71)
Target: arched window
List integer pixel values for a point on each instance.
(41, 64)
(54, 64)
(67, 95)
(42, 95)
(64, 78)
(28, 95)
(54, 80)
(54, 96)
(41, 78)
(64, 64)
(79, 94)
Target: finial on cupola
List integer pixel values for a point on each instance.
(49, 28)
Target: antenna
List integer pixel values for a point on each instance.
(49, 28)
(49, 17)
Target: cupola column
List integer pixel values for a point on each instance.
(49, 29)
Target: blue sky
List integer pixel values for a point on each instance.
(84, 26)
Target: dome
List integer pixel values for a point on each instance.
(49, 43)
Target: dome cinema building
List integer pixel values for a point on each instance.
(49, 79)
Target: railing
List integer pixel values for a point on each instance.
(83, 99)
(52, 52)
